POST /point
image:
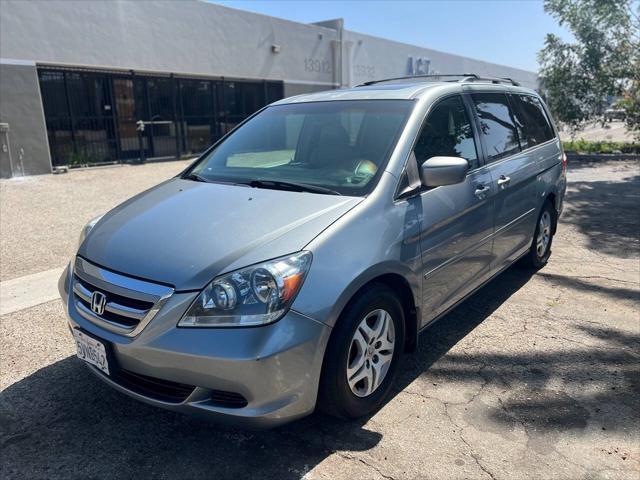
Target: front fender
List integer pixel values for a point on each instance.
(368, 242)
(330, 315)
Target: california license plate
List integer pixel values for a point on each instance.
(91, 351)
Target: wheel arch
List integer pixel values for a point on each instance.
(402, 284)
(402, 289)
(553, 198)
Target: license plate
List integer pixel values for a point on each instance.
(91, 351)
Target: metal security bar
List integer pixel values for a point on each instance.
(93, 116)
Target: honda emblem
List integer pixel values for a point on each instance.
(98, 302)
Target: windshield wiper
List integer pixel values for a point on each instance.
(293, 186)
(195, 177)
(275, 184)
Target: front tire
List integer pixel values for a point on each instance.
(362, 357)
(540, 249)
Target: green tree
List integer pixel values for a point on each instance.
(631, 100)
(579, 77)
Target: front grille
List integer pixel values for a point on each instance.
(119, 310)
(156, 388)
(129, 303)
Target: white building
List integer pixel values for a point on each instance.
(76, 77)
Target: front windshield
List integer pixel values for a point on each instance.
(342, 146)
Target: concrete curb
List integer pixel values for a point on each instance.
(28, 291)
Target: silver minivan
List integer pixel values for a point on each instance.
(293, 264)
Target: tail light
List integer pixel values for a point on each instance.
(564, 162)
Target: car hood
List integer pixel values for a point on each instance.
(184, 233)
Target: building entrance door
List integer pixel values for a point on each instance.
(161, 122)
(152, 101)
(130, 102)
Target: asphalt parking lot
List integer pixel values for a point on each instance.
(535, 376)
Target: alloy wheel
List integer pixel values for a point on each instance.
(370, 352)
(544, 234)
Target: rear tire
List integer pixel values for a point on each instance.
(540, 249)
(363, 354)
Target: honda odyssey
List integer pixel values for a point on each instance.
(293, 264)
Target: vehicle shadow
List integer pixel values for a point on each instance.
(62, 422)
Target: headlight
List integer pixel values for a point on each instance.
(87, 228)
(255, 295)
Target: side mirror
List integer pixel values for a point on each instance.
(439, 171)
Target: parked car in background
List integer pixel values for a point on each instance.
(294, 263)
(615, 112)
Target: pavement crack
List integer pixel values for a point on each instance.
(475, 456)
(563, 456)
(485, 382)
(418, 394)
(347, 456)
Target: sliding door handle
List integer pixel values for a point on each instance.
(503, 181)
(482, 190)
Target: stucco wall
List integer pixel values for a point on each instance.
(189, 37)
(292, 88)
(21, 108)
(374, 58)
(194, 37)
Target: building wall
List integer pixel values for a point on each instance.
(21, 108)
(370, 58)
(198, 38)
(295, 88)
(191, 38)
(188, 37)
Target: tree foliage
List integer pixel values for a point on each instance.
(631, 104)
(579, 77)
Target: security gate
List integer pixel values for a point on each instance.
(93, 117)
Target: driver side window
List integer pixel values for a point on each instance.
(447, 132)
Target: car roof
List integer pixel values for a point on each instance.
(397, 91)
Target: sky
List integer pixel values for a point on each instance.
(507, 32)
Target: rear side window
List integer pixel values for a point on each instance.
(497, 124)
(447, 132)
(532, 122)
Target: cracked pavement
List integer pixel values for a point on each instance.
(535, 376)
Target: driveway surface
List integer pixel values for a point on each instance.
(535, 376)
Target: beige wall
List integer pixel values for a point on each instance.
(21, 108)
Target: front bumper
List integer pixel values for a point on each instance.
(275, 368)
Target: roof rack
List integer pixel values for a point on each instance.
(465, 77)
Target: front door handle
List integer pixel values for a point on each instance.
(481, 190)
(503, 181)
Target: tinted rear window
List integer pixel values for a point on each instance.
(497, 124)
(533, 125)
